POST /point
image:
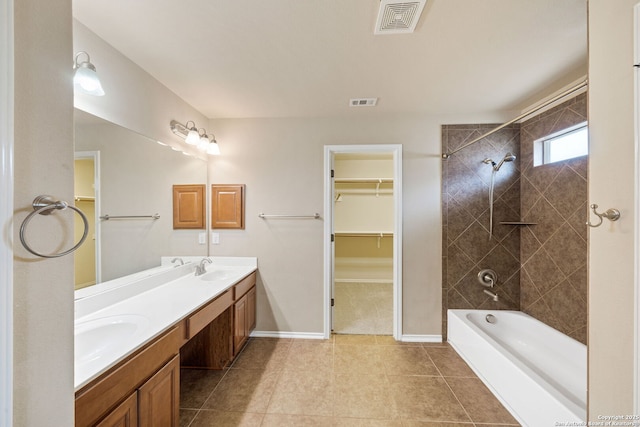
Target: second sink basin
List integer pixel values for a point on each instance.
(98, 337)
(216, 275)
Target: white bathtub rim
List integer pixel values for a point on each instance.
(532, 377)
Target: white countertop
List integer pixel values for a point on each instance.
(143, 310)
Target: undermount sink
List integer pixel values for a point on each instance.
(216, 275)
(97, 338)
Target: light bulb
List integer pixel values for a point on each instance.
(203, 143)
(213, 149)
(86, 80)
(192, 137)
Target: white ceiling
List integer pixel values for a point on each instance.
(307, 58)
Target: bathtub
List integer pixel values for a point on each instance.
(537, 373)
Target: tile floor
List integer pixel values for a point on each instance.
(349, 380)
(363, 308)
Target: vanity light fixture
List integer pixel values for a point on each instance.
(85, 78)
(199, 138)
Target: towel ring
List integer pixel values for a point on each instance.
(44, 205)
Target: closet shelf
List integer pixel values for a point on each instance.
(84, 199)
(363, 180)
(363, 234)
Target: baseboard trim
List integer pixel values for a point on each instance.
(421, 338)
(298, 335)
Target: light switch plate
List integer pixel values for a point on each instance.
(215, 238)
(202, 238)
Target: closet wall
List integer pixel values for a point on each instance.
(363, 218)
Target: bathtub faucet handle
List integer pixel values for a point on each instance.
(487, 278)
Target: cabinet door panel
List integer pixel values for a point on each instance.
(125, 415)
(159, 397)
(240, 324)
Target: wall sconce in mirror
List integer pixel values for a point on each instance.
(206, 143)
(85, 78)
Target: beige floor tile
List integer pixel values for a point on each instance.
(310, 393)
(413, 423)
(389, 340)
(362, 359)
(448, 362)
(310, 355)
(342, 339)
(481, 405)
(207, 418)
(263, 353)
(284, 420)
(363, 396)
(365, 422)
(243, 390)
(186, 416)
(407, 361)
(425, 398)
(196, 385)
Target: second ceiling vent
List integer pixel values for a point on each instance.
(396, 17)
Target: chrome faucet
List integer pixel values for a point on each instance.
(201, 268)
(173, 261)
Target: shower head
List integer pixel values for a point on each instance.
(509, 157)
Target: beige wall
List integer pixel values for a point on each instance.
(43, 163)
(611, 184)
(281, 162)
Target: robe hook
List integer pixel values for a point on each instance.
(611, 214)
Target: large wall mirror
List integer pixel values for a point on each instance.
(121, 173)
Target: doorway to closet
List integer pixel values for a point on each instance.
(363, 231)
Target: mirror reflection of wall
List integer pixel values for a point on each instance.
(136, 179)
(86, 263)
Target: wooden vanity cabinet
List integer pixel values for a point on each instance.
(244, 312)
(159, 397)
(125, 415)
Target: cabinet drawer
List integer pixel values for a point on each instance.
(196, 322)
(245, 284)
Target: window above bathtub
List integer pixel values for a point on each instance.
(563, 145)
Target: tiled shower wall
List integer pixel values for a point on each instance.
(465, 194)
(541, 268)
(553, 281)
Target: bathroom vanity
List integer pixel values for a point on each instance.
(131, 340)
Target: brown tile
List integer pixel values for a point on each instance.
(243, 390)
(362, 359)
(306, 355)
(363, 396)
(308, 394)
(528, 292)
(196, 385)
(219, 418)
(547, 220)
(529, 245)
(407, 361)
(540, 310)
(543, 272)
(567, 249)
(529, 196)
(425, 398)
(580, 280)
(578, 221)
(284, 420)
(263, 353)
(568, 306)
(458, 264)
(502, 262)
(479, 402)
(567, 192)
(186, 416)
(448, 362)
(475, 243)
(456, 300)
(458, 218)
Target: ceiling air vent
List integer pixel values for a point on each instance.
(363, 102)
(395, 17)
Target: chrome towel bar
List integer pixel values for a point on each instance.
(108, 217)
(264, 216)
(44, 205)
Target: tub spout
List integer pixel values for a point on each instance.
(493, 295)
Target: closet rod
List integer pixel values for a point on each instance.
(567, 92)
